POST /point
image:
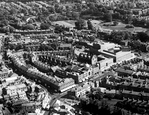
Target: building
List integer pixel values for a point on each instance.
(28, 32)
(124, 72)
(46, 101)
(82, 73)
(15, 89)
(40, 65)
(97, 80)
(81, 90)
(41, 112)
(52, 81)
(104, 62)
(59, 84)
(12, 78)
(4, 73)
(95, 70)
(19, 98)
(1, 109)
(55, 60)
(4, 111)
(61, 73)
(66, 84)
(31, 106)
(87, 58)
(118, 54)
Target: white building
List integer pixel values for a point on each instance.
(105, 63)
(15, 89)
(81, 90)
(118, 54)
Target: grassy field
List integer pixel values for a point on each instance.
(96, 23)
(122, 26)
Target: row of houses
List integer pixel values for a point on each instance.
(29, 32)
(52, 81)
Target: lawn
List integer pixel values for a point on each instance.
(121, 27)
(96, 23)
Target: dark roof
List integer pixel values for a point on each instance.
(85, 56)
(124, 71)
(75, 68)
(93, 51)
(104, 75)
(23, 68)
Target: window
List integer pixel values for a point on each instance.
(106, 64)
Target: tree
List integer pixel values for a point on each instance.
(90, 25)
(28, 27)
(127, 35)
(36, 90)
(138, 45)
(117, 111)
(13, 11)
(116, 15)
(80, 24)
(79, 7)
(4, 91)
(52, 17)
(59, 29)
(9, 29)
(115, 23)
(75, 15)
(108, 17)
(87, 113)
(105, 108)
(96, 46)
(143, 37)
(44, 26)
(129, 19)
(104, 10)
(92, 38)
(117, 37)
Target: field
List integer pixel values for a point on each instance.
(121, 27)
(97, 23)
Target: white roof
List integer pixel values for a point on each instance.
(16, 86)
(11, 79)
(31, 114)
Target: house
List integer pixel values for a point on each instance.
(81, 90)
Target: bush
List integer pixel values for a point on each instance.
(44, 26)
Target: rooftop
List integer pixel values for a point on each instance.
(19, 86)
(125, 71)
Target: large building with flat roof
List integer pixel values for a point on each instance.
(118, 54)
